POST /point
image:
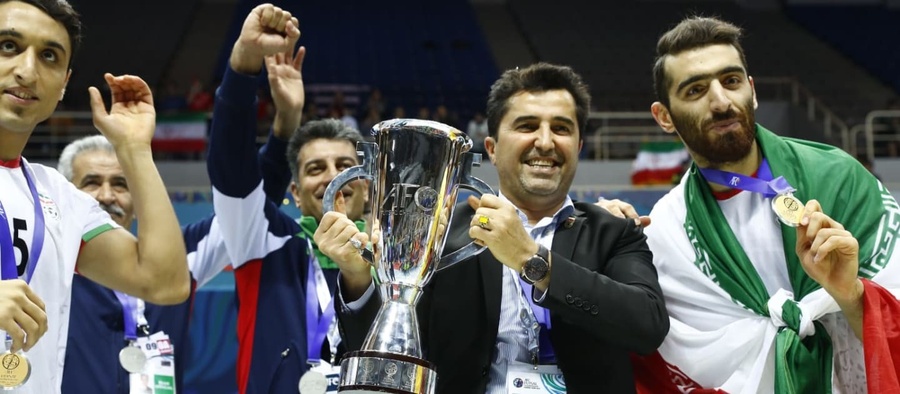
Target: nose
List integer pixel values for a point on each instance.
(105, 194)
(25, 68)
(330, 173)
(718, 99)
(543, 139)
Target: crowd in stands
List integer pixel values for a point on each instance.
(172, 100)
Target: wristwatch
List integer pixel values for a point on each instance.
(537, 267)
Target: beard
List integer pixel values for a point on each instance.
(718, 149)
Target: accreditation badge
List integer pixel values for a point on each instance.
(788, 208)
(15, 369)
(530, 379)
(158, 373)
(322, 378)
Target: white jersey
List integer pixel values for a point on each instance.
(706, 324)
(71, 217)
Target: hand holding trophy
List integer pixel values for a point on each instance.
(416, 168)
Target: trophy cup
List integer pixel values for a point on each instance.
(416, 168)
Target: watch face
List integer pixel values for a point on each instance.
(535, 269)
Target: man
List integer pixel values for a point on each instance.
(97, 329)
(756, 305)
(279, 271)
(589, 280)
(54, 228)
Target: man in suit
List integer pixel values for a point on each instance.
(584, 275)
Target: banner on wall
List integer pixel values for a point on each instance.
(659, 163)
(180, 133)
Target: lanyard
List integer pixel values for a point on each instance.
(318, 298)
(534, 318)
(7, 255)
(764, 184)
(133, 315)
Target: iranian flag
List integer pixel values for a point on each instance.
(659, 163)
(180, 133)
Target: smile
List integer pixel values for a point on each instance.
(540, 163)
(21, 94)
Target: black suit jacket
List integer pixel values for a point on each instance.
(604, 299)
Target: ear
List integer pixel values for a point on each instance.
(662, 116)
(489, 145)
(753, 89)
(295, 192)
(62, 94)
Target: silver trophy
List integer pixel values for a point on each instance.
(416, 168)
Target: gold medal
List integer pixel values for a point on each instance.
(788, 208)
(15, 369)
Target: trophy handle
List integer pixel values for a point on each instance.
(478, 186)
(368, 151)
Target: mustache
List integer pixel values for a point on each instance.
(113, 209)
(721, 116)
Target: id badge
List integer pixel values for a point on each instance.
(525, 379)
(158, 374)
(320, 379)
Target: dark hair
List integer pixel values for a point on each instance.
(538, 77)
(330, 129)
(62, 12)
(692, 32)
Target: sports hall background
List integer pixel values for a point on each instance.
(825, 70)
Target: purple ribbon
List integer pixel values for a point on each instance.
(316, 326)
(542, 315)
(129, 305)
(763, 184)
(7, 255)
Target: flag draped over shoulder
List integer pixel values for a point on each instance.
(881, 331)
(707, 256)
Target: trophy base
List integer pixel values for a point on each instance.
(382, 372)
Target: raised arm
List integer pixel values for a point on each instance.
(250, 224)
(286, 84)
(153, 266)
(274, 168)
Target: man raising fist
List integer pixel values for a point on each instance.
(279, 272)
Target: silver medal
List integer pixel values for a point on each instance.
(132, 359)
(313, 382)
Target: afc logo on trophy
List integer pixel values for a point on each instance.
(406, 198)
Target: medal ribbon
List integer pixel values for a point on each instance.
(129, 305)
(317, 325)
(7, 255)
(763, 183)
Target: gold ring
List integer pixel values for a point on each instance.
(483, 221)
